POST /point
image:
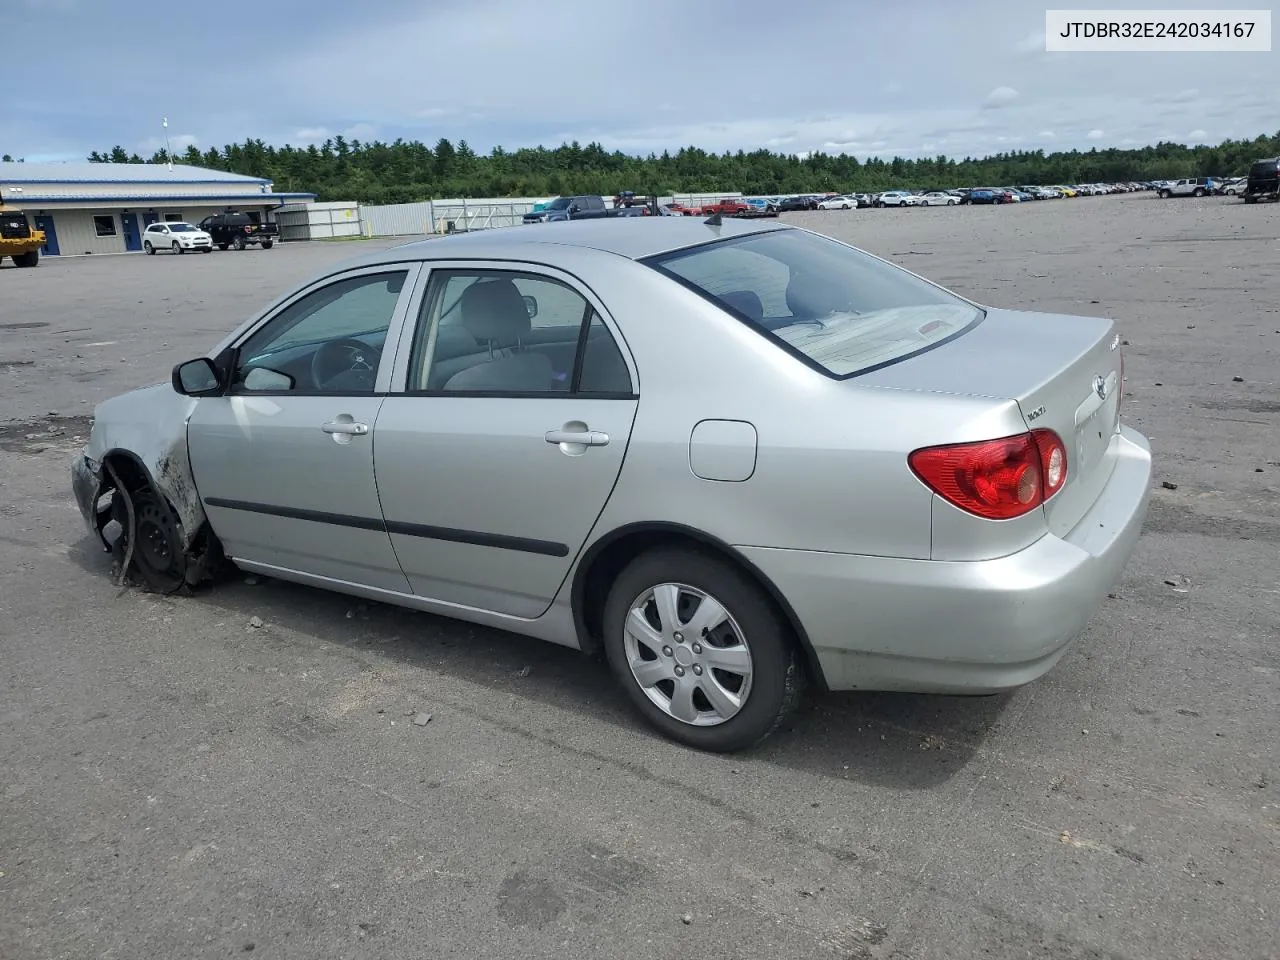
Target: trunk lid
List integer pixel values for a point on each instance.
(1064, 373)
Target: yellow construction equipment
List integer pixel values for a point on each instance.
(17, 239)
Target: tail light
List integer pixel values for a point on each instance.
(996, 479)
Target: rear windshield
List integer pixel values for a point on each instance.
(1264, 168)
(839, 308)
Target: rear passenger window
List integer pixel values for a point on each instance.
(499, 332)
(603, 369)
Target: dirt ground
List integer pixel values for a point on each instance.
(177, 783)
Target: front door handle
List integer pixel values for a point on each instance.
(348, 428)
(588, 438)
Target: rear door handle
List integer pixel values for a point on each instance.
(351, 429)
(589, 438)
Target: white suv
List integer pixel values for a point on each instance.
(897, 198)
(177, 237)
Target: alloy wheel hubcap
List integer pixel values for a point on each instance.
(688, 654)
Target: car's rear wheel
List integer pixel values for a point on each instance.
(222, 246)
(1199, 191)
(266, 244)
(238, 243)
(699, 650)
(149, 248)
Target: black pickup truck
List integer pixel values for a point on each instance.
(594, 208)
(239, 230)
(568, 208)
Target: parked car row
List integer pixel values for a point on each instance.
(1265, 177)
(221, 230)
(940, 198)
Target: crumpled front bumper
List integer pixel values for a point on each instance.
(86, 482)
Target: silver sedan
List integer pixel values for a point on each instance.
(736, 456)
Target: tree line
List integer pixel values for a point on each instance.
(404, 171)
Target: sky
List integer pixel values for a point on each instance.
(864, 77)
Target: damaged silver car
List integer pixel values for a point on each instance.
(736, 456)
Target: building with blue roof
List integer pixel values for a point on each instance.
(85, 207)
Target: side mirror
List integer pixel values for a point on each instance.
(197, 378)
(531, 304)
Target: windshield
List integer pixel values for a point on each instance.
(557, 204)
(838, 307)
(181, 227)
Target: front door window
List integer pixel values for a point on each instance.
(329, 342)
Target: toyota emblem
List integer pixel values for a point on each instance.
(1100, 387)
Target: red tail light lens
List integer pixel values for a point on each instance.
(996, 479)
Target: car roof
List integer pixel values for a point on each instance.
(630, 237)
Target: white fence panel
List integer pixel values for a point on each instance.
(398, 219)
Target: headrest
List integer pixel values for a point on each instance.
(817, 296)
(493, 310)
(745, 302)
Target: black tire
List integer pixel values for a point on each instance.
(28, 259)
(177, 248)
(1250, 198)
(238, 243)
(151, 251)
(158, 558)
(1164, 194)
(222, 246)
(206, 249)
(778, 678)
(1199, 192)
(266, 244)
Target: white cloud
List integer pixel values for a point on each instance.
(1197, 135)
(178, 143)
(1184, 96)
(1000, 97)
(361, 131)
(1045, 134)
(1032, 43)
(891, 88)
(1095, 134)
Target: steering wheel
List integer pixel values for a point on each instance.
(344, 355)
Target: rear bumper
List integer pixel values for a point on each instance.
(928, 626)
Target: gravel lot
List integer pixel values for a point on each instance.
(178, 784)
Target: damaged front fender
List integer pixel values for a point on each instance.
(149, 428)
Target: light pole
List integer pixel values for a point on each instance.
(168, 154)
